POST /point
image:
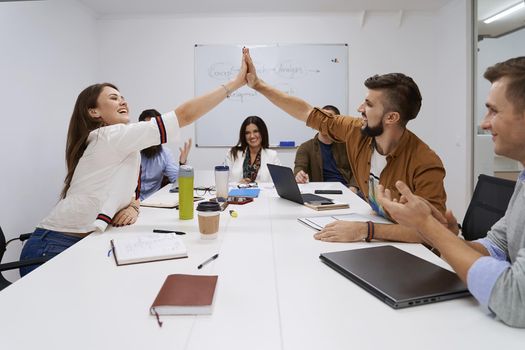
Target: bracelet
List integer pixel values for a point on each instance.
(228, 92)
(134, 206)
(370, 235)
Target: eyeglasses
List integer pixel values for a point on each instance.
(201, 191)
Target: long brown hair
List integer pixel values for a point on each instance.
(80, 125)
(242, 145)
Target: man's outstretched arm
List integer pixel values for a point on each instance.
(292, 105)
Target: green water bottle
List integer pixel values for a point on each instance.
(185, 192)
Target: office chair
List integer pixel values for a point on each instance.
(16, 264)
(488, 204)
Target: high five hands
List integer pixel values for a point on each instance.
(251, 75)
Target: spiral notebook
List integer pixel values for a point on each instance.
(148, 247)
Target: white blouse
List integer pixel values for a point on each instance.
(268, 156)
(107, 174)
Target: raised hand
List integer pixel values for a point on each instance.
(251, 76)
(184, 151)
(241, 76)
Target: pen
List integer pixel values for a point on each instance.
(208, 261)
(169, 231)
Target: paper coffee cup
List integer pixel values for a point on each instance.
(208, 214)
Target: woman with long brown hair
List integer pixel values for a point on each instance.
(103, 162)
(248, 158)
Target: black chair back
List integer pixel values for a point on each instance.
(3, 246)
(489, 203)
(15, 264)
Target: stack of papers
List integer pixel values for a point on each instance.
(319, 222)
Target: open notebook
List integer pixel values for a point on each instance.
(166, 200)
(161, 200)
(148, 247)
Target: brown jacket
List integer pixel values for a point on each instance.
(412, 162)
(308, 159)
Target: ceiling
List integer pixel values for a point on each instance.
(509, 24)
(120, 8)
(105, 8)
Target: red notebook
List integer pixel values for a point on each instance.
(185, 295)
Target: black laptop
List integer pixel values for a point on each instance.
(396, 277)
(287, 188)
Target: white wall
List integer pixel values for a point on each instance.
(48, 56)
(492, 51)
(155, 69)
(451, 102)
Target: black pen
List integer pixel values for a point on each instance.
(169, 231)
(208, 261)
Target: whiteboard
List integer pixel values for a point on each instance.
(317, 74)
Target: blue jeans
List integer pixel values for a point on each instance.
(44, 243)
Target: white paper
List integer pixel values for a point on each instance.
(153, 246)
(319, 222)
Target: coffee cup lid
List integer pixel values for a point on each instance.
(208, 206)
(222, 168)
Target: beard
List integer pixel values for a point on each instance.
(373, 131)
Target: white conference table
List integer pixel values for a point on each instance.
(273, 293)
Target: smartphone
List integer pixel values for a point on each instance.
(328, 192)
(239, 200)
(323, 202)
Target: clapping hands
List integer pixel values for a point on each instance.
(412, 210)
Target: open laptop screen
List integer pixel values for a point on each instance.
(287, 188)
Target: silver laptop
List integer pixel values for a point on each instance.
(396, 277)
(287, 188)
